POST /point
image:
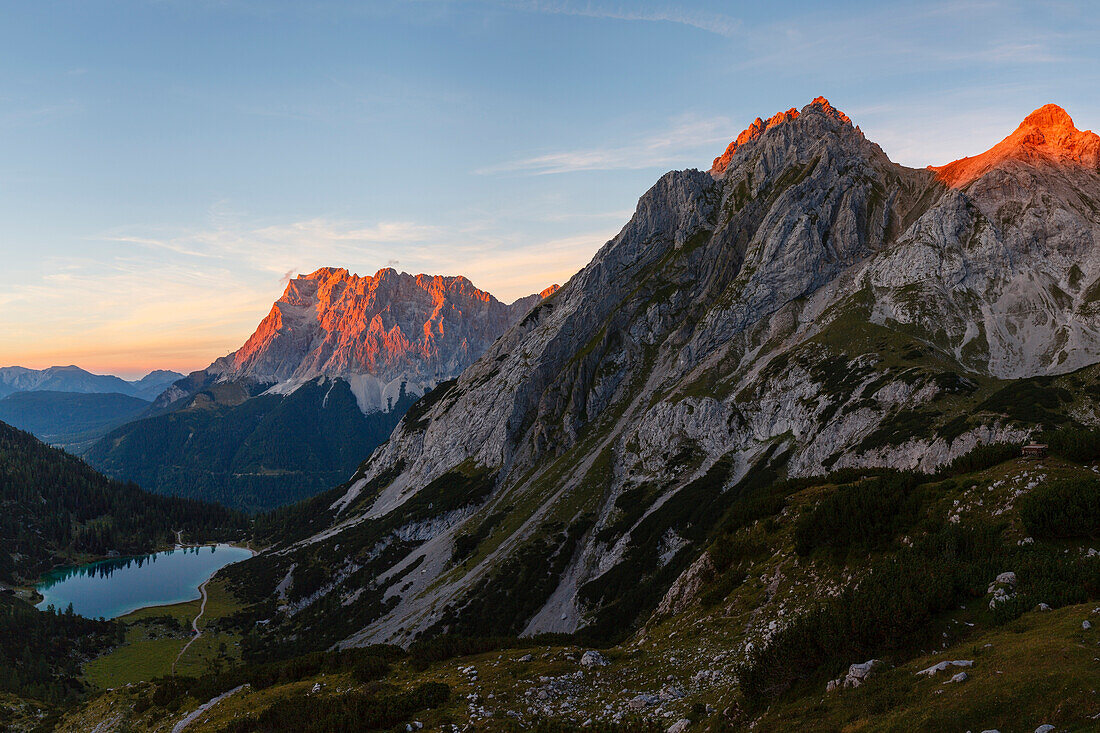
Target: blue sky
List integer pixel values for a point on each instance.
(165, 164)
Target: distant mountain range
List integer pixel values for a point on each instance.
(74, 379)
(71, 407)
(322, 381)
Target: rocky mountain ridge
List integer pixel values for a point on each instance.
(806, 305)
(1047, 136)
(381, 333)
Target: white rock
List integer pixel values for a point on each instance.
(679, 726)
(592, 658)
(941, 666)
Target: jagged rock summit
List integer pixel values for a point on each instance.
(1046, 136)
(321, 382)
(381, 333)
(759, 127)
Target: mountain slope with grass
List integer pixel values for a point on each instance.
(248, 451)
(806, 306)
(800, 579)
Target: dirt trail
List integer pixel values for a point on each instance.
(194, 625)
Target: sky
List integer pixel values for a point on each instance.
(167, 165)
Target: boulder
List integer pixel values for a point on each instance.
(960, 677)
(1042, 607)
(857, 674)
(1003, 589)
(1086, 625)
(592, 659)
(679, 726)
(1045, 728)
(669, 693)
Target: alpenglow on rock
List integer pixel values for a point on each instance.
(804, 306)
(378, 333)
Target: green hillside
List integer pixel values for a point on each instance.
(250, 453)
(69, 419)
(800, 579)
(56, 509)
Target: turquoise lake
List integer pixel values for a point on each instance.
(117, 586)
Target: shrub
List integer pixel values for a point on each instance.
(982, 457)
(348, 713)
(1067, 509)
(1081, 446)
(890, 612)
(860, 516)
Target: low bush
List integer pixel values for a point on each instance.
(1082, 446)
(860, 516)
(1066, 509)
(890, 612)
(981, 458)
(347, 713)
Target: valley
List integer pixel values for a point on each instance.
(760, 572)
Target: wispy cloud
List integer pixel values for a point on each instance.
(681, 143)
(717, 23)
(17, 115)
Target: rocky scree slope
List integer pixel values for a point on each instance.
(804, 306)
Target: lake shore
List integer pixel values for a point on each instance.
(115, 587)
